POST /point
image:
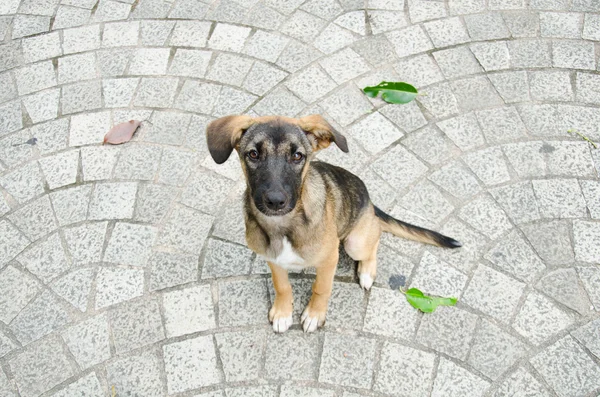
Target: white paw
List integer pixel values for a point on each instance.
(281, 324)
(365, 280)
(309, 323)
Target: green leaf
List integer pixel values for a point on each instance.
(392, 92)
(426, 304)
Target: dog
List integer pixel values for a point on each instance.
(298, 211)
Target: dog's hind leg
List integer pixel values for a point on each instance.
(281, 312)
(361, 244)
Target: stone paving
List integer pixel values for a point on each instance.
(124, 268)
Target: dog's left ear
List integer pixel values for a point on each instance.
(322, 132)
(223, 135)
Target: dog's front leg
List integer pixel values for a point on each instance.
(316, 310)
(281, 312)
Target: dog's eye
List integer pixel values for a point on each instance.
(297, 157)
(253, 155)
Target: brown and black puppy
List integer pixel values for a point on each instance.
(297, 212)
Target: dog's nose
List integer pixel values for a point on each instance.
(275, 199)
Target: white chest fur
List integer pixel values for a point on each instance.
(287, 258)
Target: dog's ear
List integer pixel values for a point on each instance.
(223, 135)
(322, 132)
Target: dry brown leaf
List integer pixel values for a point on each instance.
(121, 133)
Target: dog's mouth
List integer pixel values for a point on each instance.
(270, 212)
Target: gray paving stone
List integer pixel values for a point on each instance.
(18, 290)
(89, 341)
(112, 201)
(41, 47)
(170, 269)
(73, 68)
(41, 367)
(36, 219)
(375, 132)
(81, 96)
(130, 244)
(522, 23)
(84, 38)
(521, 383)
(10, 89)
(399, 158)
(591, 191)
(109, 10)
(75, 287)
(35, 77)
(529, 53)
(43, 105)
(191, 34)
(506, 4)
(457, 62)
(120, 34)
(297, 55)
(539, 319)
(186, 359)
(455, 381)
(585, 233)
(513, 86)
(494, 351)
(24, 183)
(116, 285)
(526, 158)
(551, 240)
(550, 86)
(345, 307)
(12, 55)
(436, 277)
(550, 5)
(404, 371)
(188, 311)
(422, 10)
(156, 32)
(197, 97)
(262, 77)
(562, 25)
(229, 69)
(136, 376)
(488, 26)
(430, 145)
(60, 169)
(465, 258)
(501, 124)
(591, 27)
(344, 65)
(513, 255)
(346, 105)
(46, 7)
(420, 70)
(463, 130)
(205, 192)
(585, 5)
(118, 92)
(489, 166)
(440, 101)
(334, 37)
(569, 159)
(389, 314)
(448, 330)
(475, 93)
(190, 63)
(46, 259)
(85, 242)
(426, 201)
(303, 26)
(225, 259)
(156, 92)
(586, 335)
(135, 325)
(590, 277)
(88, 128)
(493, 293)
(347, 361)
(293, 355)
(303, 391)
(567, 368)
(243, 302)
(13, 152)
(88, 385)
(563, 286)
(573, 54)
(11, 118)
(6, 346)
(409, 41)
(186, 230)
(457, 180)
(559, 198)
(39, 318)
(232, 101)
(28, 25)
(466, 7)
(241, 354)
(447, 32)
(491, 55)
(113, 62)
(587, 88)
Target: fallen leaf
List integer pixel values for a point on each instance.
(424, 303)
(121, 133)
(392, 92)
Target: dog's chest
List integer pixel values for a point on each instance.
(287, 258)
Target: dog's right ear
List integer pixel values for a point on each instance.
(223, 135)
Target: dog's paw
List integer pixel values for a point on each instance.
(311, 319)
(365, 280)
(281, 319)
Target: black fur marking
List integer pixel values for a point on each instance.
(440, 239)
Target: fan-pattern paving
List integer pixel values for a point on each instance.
(125, 267)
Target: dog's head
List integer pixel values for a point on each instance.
(274, 152)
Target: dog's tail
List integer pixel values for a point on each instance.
(406, 230)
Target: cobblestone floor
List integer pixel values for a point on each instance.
(126, 267)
